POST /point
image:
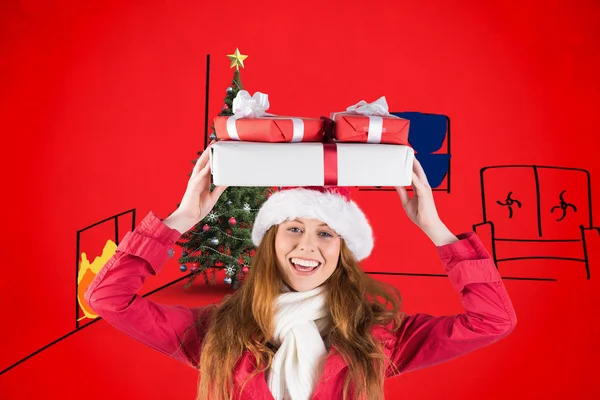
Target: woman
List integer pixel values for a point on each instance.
(307, 323)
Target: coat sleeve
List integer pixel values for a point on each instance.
(424, 340)
(173, 330)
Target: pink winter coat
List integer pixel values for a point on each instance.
(422, 341)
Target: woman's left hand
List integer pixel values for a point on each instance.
(420, 208)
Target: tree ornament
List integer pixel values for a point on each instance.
(229, 90)
(194, 268)
(225, 108)
(214, 241)
(212, 217)
(245, 269)
(228, 203)
(237, 59)
(184, 253)
(227, 280)
(230, 270)
(183, 268)
(205, 228)
(213, 136)
(232, 221)
(247, 207)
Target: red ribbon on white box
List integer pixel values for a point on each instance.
(256, 106)
(330, 164)
(375, 111)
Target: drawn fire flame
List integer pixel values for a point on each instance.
(87, 273)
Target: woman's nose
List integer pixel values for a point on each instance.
(307, 242)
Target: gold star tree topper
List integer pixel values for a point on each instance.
(237, 59)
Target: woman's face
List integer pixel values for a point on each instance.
(307, 253)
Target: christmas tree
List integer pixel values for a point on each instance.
(222, 240)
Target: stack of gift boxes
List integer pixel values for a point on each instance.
(362, 146)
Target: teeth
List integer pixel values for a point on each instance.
(303, 269)
(305, 263)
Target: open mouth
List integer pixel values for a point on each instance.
(304, 267)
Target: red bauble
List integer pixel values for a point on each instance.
(232, 221)
(205, 228)
(245, 269)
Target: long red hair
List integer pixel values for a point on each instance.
(245, 321)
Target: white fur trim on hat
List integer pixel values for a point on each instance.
(345, 217)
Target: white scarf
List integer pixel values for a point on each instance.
(300, 320)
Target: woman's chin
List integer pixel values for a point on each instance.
(303, 286)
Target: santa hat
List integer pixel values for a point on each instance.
(331, 205)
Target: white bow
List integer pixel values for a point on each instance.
(245, 106)
(375, 111)
(256, 106)
(378, 108)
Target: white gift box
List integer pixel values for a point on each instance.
(236, 163)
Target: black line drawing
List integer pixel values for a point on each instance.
(115, 220)
(206, 101)
(579, 230)
(563, 206)
(509, 203)
(78, 326)
(516, 278)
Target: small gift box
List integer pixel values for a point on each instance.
(251, 123)
(370, 123)
(235, 163)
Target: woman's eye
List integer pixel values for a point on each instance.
(323, 234)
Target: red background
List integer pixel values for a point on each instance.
(102, 110)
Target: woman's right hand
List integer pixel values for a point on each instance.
(197, 200)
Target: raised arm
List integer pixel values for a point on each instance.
(424, 340)
(113, 295)
(173, 330)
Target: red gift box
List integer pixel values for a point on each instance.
(274, 129)
(370, 129)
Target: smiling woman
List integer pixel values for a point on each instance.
(307, 253)
(308, 322)
(329, 208)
